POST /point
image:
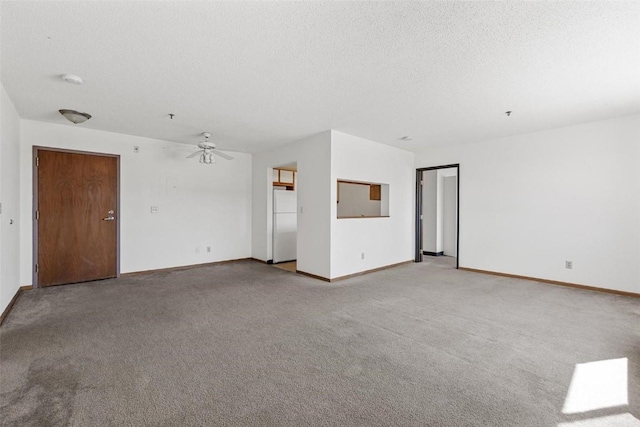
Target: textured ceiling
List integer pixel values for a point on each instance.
(260, 74)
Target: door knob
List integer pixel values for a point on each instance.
(109, 218)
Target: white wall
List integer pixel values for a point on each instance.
(10, 199)
(200, 205)
(435, 220)
(449, 215)
(384, 241)
(530, 202)
(430, 217)
(313, 158)
(439, 212)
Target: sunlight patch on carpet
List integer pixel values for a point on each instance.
(597, 385)
(618, 420)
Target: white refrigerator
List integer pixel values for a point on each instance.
(285, 225)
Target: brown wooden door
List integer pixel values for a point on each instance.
(77, 196)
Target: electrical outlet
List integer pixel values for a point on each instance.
(136, 149)
(362, 255)
(208, 248)
(155, 209)
(197, 249)
(568, 264)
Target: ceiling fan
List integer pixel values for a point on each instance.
(208, 151)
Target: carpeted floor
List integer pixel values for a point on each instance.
(247, 344)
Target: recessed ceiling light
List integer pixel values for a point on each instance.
(71, 78)
(406, 138)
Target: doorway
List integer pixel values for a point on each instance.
(76, 228)
(284, 224)
(437, 221)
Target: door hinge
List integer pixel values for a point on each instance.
(36, 268)
(37, 215)
(37, 161)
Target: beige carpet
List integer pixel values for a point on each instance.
(246, 344)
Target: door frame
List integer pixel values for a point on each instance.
(34, 205)
(418, 220)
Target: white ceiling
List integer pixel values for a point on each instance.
(260, 74)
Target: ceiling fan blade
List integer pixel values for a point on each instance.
(192, 155)
(221, 154)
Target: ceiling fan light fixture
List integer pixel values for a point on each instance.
(207, 151)
(74, 116)
(207, 157)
